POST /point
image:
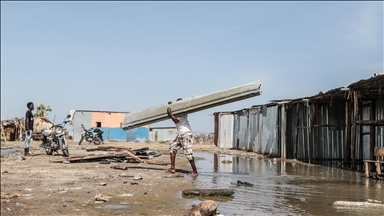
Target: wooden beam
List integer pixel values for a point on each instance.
(371, 122)
(347, 133)
(361, 137)
(311, 132)
(296, 131)
(372, 134)
(317, 132)
(355, 118)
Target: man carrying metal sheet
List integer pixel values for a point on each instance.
(183, 140)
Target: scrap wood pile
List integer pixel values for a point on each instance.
(121, 154)
(12, 130)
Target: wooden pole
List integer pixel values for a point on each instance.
(311, 132)
(296, 131)
(372, 133)
(355, 118)
(347, 133)
(279, 130)
(317, 133)
(285, 130)
(361, 135)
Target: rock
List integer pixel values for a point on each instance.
(66, 162)
(100, 197)
(137, 177)
(205, 208)
(103, 184)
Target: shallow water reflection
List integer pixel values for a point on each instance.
(280, 188)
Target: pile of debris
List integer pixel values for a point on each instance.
(119, 154)
(12, 130)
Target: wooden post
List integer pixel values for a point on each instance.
(317, 132)
(296, 131)
(355, 118)
(361, 135)
(347, 133)
(372, 133)
(311, 132)
(279, 130)
(285, 130)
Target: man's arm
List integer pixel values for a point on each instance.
(174, 118)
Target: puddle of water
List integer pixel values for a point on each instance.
(116, 207)
(279, 188)
(9, 151)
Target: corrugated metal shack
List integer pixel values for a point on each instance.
(343, 124)
(109, 122)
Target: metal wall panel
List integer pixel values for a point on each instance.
(379, 130)
(253, 130)
(116, 134)
(242, 129)
(162, 134)
(79, 118)
(269, 143)
(137, 134)
(225, 130)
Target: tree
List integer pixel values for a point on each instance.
(41, 110)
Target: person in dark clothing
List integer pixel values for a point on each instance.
(29, 119)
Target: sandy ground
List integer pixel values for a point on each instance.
(34, 186)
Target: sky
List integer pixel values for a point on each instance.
(129, 56)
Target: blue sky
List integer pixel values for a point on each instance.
(129, 56)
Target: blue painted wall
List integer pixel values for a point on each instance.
(137, 134)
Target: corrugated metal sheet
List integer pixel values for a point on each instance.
(137, 134)
(162, 134)
(225, 130)
(379, 114)
(79, 118)
(314, 127)
(241, 130)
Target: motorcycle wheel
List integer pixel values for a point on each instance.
(97, 141)
(65, 152)
(81, 140)
(48, 151)
(64, 148)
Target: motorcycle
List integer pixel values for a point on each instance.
(54, 139)
(94, 135)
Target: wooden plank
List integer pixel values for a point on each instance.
(81, 158)
(104, 148)
(134, 156)
(190, 105)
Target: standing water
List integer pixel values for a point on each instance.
(281, 188)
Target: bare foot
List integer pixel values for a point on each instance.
(194, 174)
(170, 170)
